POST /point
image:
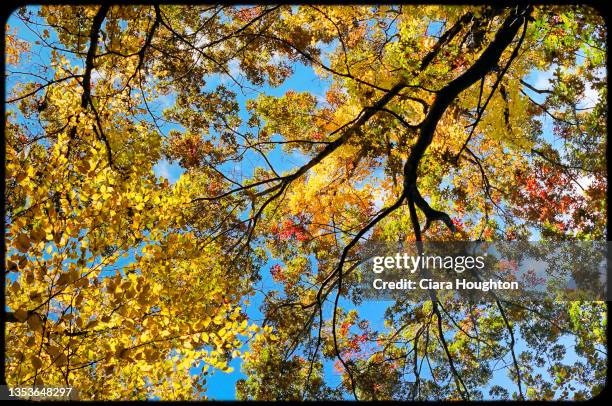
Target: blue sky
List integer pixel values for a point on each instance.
(220, 385)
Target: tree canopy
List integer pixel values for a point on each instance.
(125, 285)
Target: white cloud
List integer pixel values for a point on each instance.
(585, 181)
(542, 78)
(168, 170)
(591, 96)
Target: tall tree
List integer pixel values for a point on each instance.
(126, 286)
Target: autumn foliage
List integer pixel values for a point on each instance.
(433, 123)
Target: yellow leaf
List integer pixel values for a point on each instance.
(36, 362)
(22, 242)
(34, 323)
(64, 279)
(61, 360)
(53, 351)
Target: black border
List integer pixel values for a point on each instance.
(10, 6)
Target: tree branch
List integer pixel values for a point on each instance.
(91, 53)
(485, 63)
